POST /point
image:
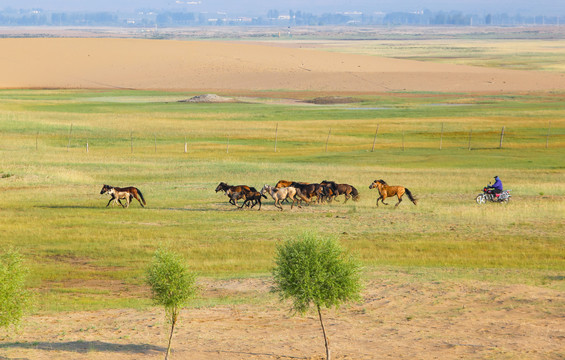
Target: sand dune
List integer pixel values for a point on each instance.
(194, 65)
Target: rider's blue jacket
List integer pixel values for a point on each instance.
(497, 185)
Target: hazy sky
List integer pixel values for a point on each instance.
(260, 7)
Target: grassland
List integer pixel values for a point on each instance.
(516, 54)
(88, 256)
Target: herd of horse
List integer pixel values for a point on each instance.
(298, 192)
(284, 191)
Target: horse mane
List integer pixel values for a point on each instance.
(382, 182)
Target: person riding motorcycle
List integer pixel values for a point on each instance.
(496, 187)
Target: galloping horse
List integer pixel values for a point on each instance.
(385, 191)
(281, 194)
(127, 193)
(234, 189)
(338, 189)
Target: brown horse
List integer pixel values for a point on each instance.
(234, 189)
(127, 193)
(283, 183)
(335, 190)
(386, 191)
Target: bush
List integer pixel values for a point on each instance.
(172, 284)
(316, 271)
(14, 298)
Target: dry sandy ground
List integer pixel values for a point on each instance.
(397, 319)
(201, 65)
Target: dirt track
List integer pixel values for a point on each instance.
(215, 66)
(400, 319)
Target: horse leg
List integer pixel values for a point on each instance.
(301, 198)
(257, 202)
(347, 196)
(109, 201)
(137, 197)
(399, 200)
(298, 201)
(383, 197)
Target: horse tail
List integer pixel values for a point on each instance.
(410, 196)
(141, 196)
(354, 194)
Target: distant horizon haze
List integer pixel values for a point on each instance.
(261, 7)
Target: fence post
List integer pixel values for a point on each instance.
(441, 137)
(470, 136)
(375, 139)
(70, 133)
(87, 145)
(228, 146)
(501, 138)
(328, 139)
(185, 145)
(276, 135)
(547, 138)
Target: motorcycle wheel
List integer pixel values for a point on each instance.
(480, 199)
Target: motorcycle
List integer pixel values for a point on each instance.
(489, 195)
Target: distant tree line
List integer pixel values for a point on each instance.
(147, 18)
(38, 18)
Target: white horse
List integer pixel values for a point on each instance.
(281, 194)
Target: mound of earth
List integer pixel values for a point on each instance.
(208, 98)
(332, 100)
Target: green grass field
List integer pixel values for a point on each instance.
(53, 213)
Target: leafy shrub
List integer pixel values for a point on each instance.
(316, 271)
(14, 298)
(172, 285)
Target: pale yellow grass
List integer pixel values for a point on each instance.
(534, 54)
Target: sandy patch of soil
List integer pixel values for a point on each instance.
(95, 63)
(398, 319)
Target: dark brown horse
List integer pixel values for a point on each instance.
(234, 189)
(127, 193)
(308, 191)
(254, 198)
(387, 191)
(340, 189)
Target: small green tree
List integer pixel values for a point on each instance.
(172, 284)
(314, 270)
(14, 298)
